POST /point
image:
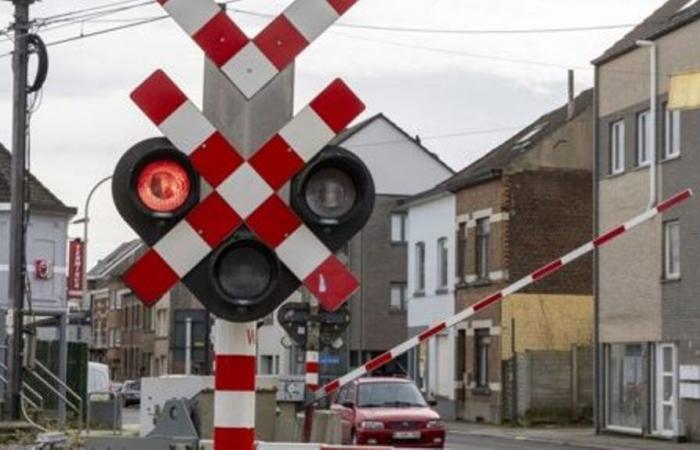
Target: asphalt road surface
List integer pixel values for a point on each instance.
(130, 415)
(457, 441)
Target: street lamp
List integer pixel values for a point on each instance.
(85, 220)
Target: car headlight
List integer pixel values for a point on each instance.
(433, 424)
(372, 425)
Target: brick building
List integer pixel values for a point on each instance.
(523, 204)
(136, 341)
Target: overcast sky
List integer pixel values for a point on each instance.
(430, 84)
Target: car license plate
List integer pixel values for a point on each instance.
(407, 435)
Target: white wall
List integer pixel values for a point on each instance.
(398, 165)
(47, 236)
(428, 222)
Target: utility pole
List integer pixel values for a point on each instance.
(17, 210)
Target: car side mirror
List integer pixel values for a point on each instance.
(349, 405)
(432, 402)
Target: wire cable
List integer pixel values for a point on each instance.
(400, 29)
(79, 11)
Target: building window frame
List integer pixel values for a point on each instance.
(644, 138)
(462, 253)
(672, 249)
(397, 297)
(482, 354)
(617, 147)
(483, 248)
(420, 268)
(672, 132)
(443, 258)
(398, 228)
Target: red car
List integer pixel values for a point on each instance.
(388, 411)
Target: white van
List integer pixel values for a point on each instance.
(98, 378)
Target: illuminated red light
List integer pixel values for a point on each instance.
(163, 186)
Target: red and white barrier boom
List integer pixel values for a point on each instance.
(498, 296)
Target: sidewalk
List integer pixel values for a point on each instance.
(580, 437)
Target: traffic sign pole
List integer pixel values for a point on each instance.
(497, 297)
(235, 345)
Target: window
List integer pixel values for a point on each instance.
(398, 228)
(626, 386)
(420, 267)
(672, 132)
(644, 138)
(398, 297)
(442, 263)
(482, 341)
(483, 231)
(462, 252)
(672, 250)
(617, 147)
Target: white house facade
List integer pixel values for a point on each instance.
(431, 280)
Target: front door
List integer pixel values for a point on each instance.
(666, 404)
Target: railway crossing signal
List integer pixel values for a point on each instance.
(240, 249)
(213, 219)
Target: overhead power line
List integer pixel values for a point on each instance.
(85, 10)
(459, 31)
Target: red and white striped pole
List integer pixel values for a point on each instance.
(235, 346)
(492, 299)
(312, 371)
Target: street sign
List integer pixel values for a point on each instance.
(294, 318)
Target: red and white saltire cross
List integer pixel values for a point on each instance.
(252, 63)
(244, 192)
(498, 296)
(312, 371)
(234, 383)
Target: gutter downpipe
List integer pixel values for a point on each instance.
(653, 111)
(598, 400)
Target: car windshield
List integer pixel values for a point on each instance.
(399, 395)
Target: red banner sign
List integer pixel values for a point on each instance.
(75, 269)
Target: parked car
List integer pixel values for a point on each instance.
(130, 393)
(388, 411)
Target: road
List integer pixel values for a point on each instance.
(457, 441)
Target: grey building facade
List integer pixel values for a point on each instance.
(647, 283)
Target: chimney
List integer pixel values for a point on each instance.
(572, 96)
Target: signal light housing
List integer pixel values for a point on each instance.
(334, 196)
(157, 186)
(243, 280)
